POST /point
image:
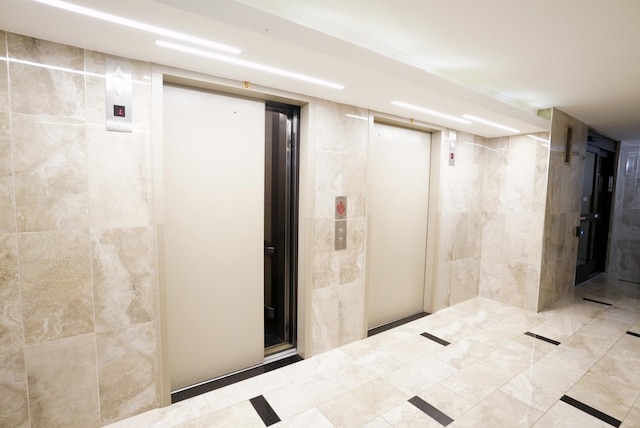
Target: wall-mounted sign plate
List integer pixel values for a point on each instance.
(119, 88)
(341, 207)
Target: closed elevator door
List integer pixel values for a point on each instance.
(398, 207)
(213, 165)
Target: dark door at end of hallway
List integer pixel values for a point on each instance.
(280, 226)
(595, 212)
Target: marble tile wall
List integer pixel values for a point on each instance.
(461, 219)
(624, 250)
(562, 213)
(515, 182)
(339, 145)
(77, 319)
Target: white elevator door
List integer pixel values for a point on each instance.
(398, 208)
(213, 154)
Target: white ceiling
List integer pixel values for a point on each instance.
(497, 59)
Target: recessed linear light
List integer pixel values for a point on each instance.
(430, 112)
(490, 123)
(248, 64)
(138, 25)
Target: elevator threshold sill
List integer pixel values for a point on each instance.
(273, 362)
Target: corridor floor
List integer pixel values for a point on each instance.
(476, 364)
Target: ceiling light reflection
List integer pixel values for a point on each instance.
(430, 112)
(490, 123)
(248, 64)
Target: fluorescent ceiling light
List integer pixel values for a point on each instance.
(430, 112)
(138, 25)
(248, 64)
(490, 123)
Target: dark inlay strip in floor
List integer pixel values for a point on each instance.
(633, 333)
(434, 413)
(596, 301)
(435, 339)
(590, 410)
(546, 339)
(266, 413)
(231, 379)
(397, 323)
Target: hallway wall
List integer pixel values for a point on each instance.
(624, 250)
(562, 214)
(515, 177)
(77, 293)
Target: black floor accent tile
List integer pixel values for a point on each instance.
(397, 323)
(546, 339)
(596, 301)
(435, 339)
(590, 410)
(231, 379)
(268, 416)
(633, 334)
(434, 413)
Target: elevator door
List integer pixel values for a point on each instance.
(213, 166)
(595, 212)
(398, 207)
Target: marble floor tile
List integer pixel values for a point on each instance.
(319, 364)
(378, 422)
(464, 352)
(621, 314)
(519, 354)
(499, 410)
(167, 417)
(571, 363)
(414, 378)
(299, 397)
(365, 369)
(311, 418)
(366, 402)
(476, 381)
(562, 415)
(412, 350)
(608, 388)
(238, 415)
(633, 417)
(538, 387)
(406, 415)
(448, 402)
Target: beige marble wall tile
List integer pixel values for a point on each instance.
(7, 195)
(63, 383)
(50, 159)
(4, 79)
(351, 307)
(13, 377)
(58, 93)
(122, 263)
(57, 298)
(325, 319)
(10, 305)
(13, 388)
(45, 52)
(119, 177)
(127, 371)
